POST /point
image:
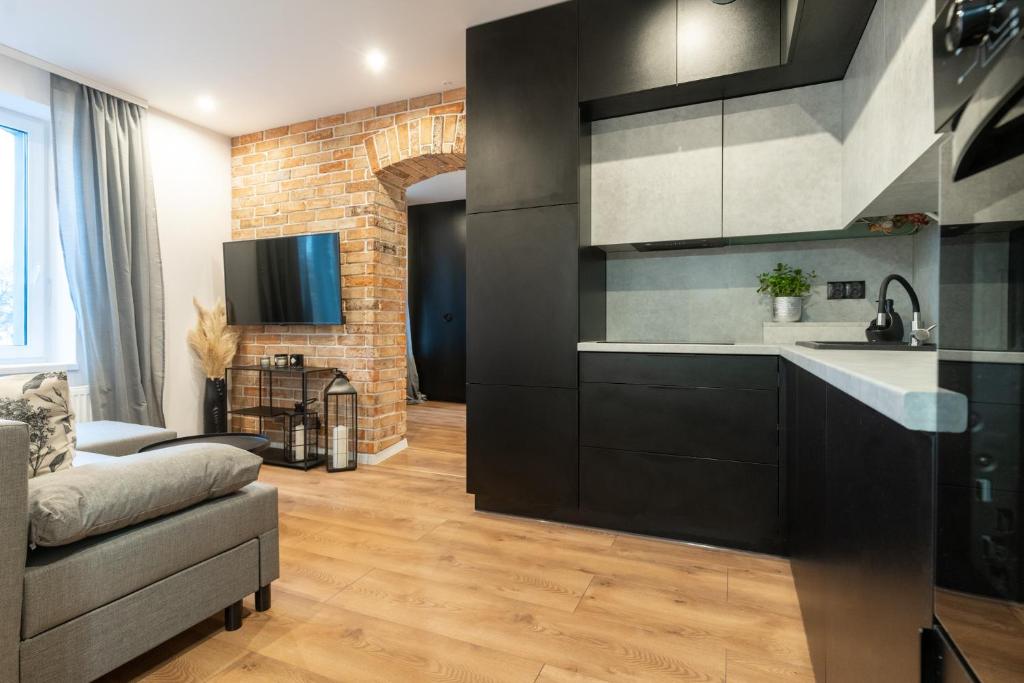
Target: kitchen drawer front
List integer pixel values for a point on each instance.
(675, 370)
(722, 424)
(690, 498)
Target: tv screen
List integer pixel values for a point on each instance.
(283, 281)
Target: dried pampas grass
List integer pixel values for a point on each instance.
(211, 339)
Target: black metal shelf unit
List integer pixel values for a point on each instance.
(287, 401)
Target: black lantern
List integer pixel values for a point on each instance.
(301, 436)
(341, 423)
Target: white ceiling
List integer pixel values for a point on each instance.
(446, 187)
(264, 62)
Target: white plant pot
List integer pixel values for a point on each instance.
(787, 309)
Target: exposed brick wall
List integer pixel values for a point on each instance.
(348, 173)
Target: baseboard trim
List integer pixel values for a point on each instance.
(377, 458)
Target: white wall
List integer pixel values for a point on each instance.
(192, 180)
(27, 85)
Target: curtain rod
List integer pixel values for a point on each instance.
(24, 58)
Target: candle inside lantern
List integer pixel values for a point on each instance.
(339, 447)
(299, 443)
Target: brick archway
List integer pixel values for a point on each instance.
(348, 173)
(415, 150)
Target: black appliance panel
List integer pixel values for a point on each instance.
(979, 79)
(978, 48)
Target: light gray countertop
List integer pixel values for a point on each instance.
(899, 384)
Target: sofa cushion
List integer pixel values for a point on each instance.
(119, 438)
(69, 581)
(103, 497)
(43, 402)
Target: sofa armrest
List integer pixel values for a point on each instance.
(108, 437)
(13, 540)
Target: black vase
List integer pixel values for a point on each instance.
(215, 407)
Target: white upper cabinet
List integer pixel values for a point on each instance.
(657, 176)
(782, 162)
(888, 109)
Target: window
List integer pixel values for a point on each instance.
(13, 252)
(37, 326)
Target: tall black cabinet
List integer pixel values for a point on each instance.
(522, 265)
(522, 145)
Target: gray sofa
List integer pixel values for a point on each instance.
(76, 612)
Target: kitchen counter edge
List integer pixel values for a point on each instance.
(899, 384)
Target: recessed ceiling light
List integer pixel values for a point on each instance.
(376, 60)
(206, 103)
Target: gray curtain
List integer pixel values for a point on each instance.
(111, 249)
(412, 379)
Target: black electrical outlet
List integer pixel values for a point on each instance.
(852, 289)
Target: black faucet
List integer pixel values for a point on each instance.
(887, 325)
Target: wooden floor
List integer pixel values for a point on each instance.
(388, 574)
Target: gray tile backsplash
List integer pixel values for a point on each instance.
(709, 295)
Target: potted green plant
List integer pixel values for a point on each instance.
(787, 286)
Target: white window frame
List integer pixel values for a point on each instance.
(51, 326)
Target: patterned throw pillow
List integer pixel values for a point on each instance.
(43, 402)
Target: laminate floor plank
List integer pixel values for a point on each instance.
(514, 544)
(530, 580)
(714, 622)
(609, 649)
(743, 669)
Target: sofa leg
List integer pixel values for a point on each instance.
(263, 598)
(233, 616)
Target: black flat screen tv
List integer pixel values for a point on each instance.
(283, 281)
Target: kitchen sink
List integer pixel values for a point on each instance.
(865, 346)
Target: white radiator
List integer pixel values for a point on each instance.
(80, 404)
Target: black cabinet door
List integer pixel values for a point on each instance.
(626, 46)
(881, 507)
(437, 298)
(732, 503)
(721, 424)
(523, 147)
(718, 40)
(521, 269)
(521, 448)
(806, 486)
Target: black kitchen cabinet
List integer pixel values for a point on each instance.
(806, 490)
(721, 502)
(723, 424)
(881, 500)
(860, 520)
(523, 145)
(522, 284)
(626, 46)
(742, 48)
(521, 445)
(684, 446)
(719, 40)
